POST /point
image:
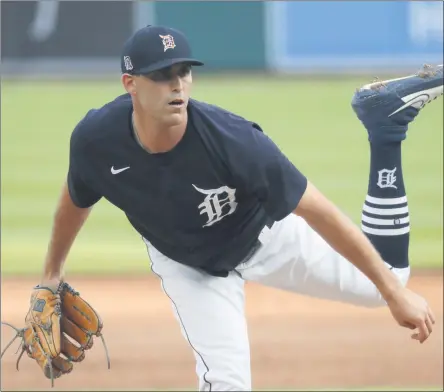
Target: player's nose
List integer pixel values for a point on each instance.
(176, 82)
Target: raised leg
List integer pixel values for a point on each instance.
(295, 258)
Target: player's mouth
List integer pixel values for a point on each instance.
(177, 103)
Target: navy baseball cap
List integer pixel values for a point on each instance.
(155, 47)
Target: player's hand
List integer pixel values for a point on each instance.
(52, 283)
(412, 311)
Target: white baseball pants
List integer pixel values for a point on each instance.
(210, 309)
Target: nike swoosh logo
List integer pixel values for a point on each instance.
(419, 99)
(117, 171)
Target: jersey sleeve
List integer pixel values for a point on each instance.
(80, 186)
(268, 174)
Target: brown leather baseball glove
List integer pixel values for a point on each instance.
(53, 316)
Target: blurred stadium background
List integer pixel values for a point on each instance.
(291, 66)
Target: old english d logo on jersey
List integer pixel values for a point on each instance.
(218, 203)
(168, 42)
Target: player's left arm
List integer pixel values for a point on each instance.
(409, 309)
(281, 188)
(345, 237)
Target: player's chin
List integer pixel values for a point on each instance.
(174, 118)
(176, 110)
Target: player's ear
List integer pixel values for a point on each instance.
(129, 84)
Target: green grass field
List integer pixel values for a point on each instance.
(310, 119)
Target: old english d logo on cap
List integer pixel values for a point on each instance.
(168, 42)
(127, 62)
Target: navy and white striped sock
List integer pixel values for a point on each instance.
(385, 214)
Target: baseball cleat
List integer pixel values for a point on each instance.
(386, 108)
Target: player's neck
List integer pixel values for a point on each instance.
(156, 137)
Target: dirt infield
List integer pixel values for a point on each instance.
(295, 342)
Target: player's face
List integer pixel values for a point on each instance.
(164, 94)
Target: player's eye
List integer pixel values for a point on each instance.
(184, 70)
(166, 74)
(162, 75)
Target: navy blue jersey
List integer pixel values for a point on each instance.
(203, 203)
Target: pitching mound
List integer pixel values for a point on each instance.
(296, 342)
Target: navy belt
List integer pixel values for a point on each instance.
(256, 246)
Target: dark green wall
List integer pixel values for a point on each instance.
(223, 34)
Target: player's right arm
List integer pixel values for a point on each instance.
(76, 200)
(68, 220)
